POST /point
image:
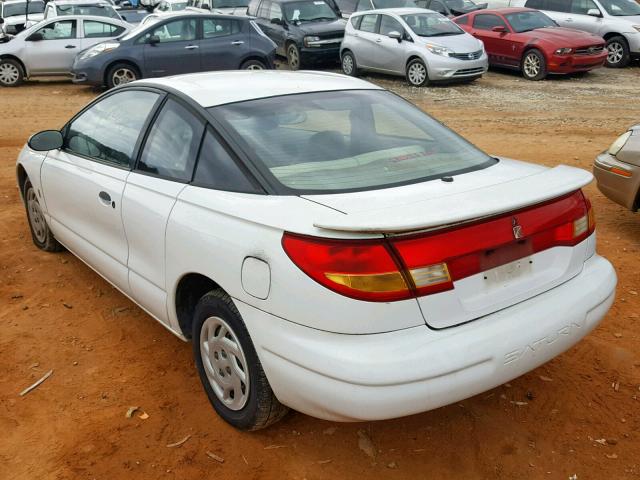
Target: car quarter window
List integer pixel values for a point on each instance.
(368, 23)
(219, 27)
(93, 29)
(462, 20)
(389, 24)
(174, 31)
(60, 30)
(582, 6)
(108, 131)
(218, 170)
(486, 21)
(355, 21)
(172, 145)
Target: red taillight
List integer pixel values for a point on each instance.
(397, 268)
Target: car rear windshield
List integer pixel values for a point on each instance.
(621, 8)
(308, 11)
(346, 141)
(527, 21)
(95, 10)
(15, 9)
(431, 25)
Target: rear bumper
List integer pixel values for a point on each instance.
(620, 189)
(373, 377)
(575, 63)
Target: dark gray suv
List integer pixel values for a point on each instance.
(176, 44)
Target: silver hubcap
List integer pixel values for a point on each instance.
(9, 73)
(347, 64)
(255, 66)
(294, 59)
(615, 52)
(122, 76)
(36, 219)
(224, 363)
(531, 65)
(417, 73)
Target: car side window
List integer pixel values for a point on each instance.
(462, 20)
(93, 29)
(581, 7)
(264, 10)
(275, 11)
(172, 145)
(389, 24)
(487, 21)
(368, 23)
(218, 170)
(557, 5)
(219, 27)
(108, 131)
(175, 31)
(60, 30)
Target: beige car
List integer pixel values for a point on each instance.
(617, 170)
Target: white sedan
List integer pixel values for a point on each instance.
(325, 245)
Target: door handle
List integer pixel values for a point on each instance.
(568, 20)
(70, 46)
(237, 42)
(105, 199)
(378, 40)
(191, 47)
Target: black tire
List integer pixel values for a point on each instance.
(40, 233)
(11, 73)
(253, 65)
(417, 74)
(122, 73)
(618, 55)
(533, 65)
(293, 57)
(262, 408)
(348, 63)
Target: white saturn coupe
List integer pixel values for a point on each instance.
(325, 245)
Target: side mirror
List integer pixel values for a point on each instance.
(205, 6)
(153, 39)
(46, 140)
(35, 37)
(499, 29)
(594, 12)
(395, 34)
(276, 21)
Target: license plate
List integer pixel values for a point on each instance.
(505, 274)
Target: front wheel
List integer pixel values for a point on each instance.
(253, 65)
(228, 365)
(349, 65)
(533, 67)
(293, 57)
(40, 233)
(618, 55)
(11, 74)
(121, 74)
(417, 74)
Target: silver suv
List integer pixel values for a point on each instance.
(617, 21)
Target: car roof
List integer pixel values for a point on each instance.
(503, 11)
(397, 11)
(81, 2)
(96, 18)
(210, 89)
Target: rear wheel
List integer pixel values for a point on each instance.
(293, 57)
(534, 66)
(618, 55)
(349, 65)
(228, 365)
(253, 65)
(417, 74)
(42, 237)
(121, 74)
(11, 73)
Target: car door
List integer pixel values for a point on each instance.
(367, 34)
(94, 31)
(223, 45)
(579, 18)
(164, 168)
(52, 48)
(391, 55)
(84, 181)
(176, 51)
(495, 43)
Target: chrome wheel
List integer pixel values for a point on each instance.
(417, 73)
(255, 66)
(294, 57)
(347, 64)
(36, 218)
(531, 65)
(9, 73)
(224, 363)
(122, 75)
(615, 52)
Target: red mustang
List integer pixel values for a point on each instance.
(529, 41)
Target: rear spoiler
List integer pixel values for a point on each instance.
(464, 206)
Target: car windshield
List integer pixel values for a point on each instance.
(527, 21)
(177, 6)
(230, 3)
(460, 5)
(431, 25)
(394, 3)
(14, 9)
(96, 10)
(347, 141)
(621, 8)
(309, 11)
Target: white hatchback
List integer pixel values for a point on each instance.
(325, 245)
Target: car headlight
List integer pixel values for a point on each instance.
(98, 49)
(439, 50)
(619, 142)
(310, 39)
(563, 51)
